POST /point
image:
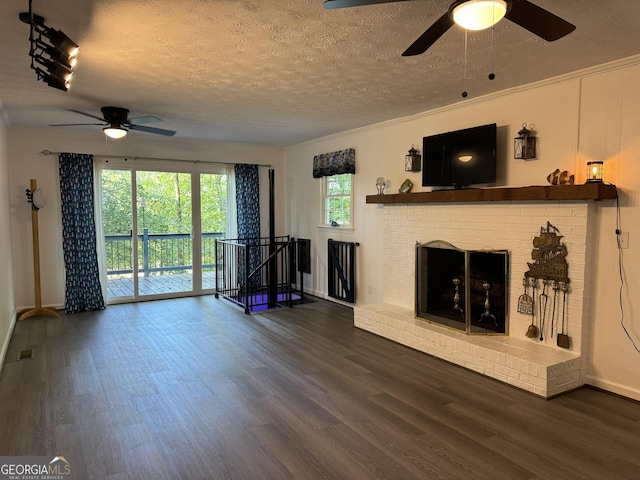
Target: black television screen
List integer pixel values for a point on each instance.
(460, 158)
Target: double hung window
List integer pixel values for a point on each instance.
(338, 200)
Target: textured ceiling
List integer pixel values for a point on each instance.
(280, 72)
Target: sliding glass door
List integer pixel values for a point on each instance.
(117, 228)
(164, 220)
(213, 218)
(159, 230)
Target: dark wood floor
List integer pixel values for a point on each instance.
(195, 389)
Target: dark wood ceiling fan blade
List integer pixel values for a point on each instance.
(331, 4)
(431, 36)
(85, 114)
(538, 21)
(75, 124)
(157, 131)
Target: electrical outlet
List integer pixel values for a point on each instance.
(623, 239)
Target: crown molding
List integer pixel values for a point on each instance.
(575, 75)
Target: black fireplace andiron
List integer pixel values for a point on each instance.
(487, 305)
(456, 298)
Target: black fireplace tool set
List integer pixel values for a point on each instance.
(550, 267)
(526, 305)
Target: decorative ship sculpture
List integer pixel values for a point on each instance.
(549, 256)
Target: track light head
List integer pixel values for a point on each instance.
(62, 42)
(55, 54)
(62, 59)
(54, 68)
(52, 81)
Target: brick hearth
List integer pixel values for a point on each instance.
(535, 366)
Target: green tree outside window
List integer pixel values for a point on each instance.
(338, 199)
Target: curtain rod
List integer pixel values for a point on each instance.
(130, 157)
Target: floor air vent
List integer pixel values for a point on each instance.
(24, 354)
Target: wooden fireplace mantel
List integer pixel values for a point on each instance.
(588, 191)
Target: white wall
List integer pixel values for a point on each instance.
(380, 151)
(7, 302)
(610, 131)
(26, 162)
(581, 117)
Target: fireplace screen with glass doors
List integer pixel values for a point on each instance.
(462, 289)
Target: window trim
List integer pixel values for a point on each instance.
(325, 196)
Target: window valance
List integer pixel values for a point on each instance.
(334, 163)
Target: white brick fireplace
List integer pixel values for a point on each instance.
(539, 367)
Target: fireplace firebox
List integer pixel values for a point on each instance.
(466, 290)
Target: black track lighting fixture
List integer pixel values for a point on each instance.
(54, 68)
(51, 49)
(56, 55)
(53, 81)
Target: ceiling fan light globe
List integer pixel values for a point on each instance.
(479, 14)
(115, 132)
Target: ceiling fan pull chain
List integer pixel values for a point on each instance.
(464, 74)
(491, 74)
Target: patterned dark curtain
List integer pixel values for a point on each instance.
(83, 291)
(334, 163)
(248, 206)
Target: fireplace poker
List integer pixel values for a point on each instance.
(555, 286)
(544, 298)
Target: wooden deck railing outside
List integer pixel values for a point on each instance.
(160, 252)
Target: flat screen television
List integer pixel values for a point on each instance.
(460, 158)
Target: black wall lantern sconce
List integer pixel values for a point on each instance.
(412, 160)
(53, 54)
(524, 145)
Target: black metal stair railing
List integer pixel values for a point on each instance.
(244, 268)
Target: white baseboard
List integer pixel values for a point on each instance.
(6, 340)
(613, 387)
(325, 296)
(58, 306)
